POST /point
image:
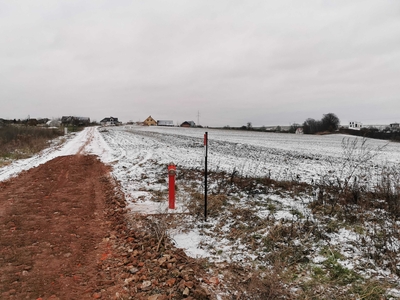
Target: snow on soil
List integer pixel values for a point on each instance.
(139, 156)
(280, 156)
(86, 141)
(252, 154)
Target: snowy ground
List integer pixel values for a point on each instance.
(139, 156)
(281, 156)
(87, 141)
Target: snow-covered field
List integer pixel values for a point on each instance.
(250, 153)
(139, 156)
(279, 156)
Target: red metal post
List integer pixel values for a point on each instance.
(171, 175)
(205, 174)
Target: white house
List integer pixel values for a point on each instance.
(111, 121)
(355, 125)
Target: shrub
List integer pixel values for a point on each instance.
(22, 141)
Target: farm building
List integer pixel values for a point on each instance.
(75, 121)
(395, 125)
(188, 124)
(53, 123)
(299, 130)
(355, 125)
(111, 121)
(165, 123)
(149, 122)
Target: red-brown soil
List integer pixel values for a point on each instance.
(65, 234)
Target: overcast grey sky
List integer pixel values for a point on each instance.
(265, 62)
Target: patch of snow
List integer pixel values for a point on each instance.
(190, 243)
(87, 141)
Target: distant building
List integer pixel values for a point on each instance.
(111, 121)
(75, 121)
(188, 124)
(54, 123)
(83, 121)
(299, 130)
(165, 123)
(395, 125)
(355, 125)
(149, 122)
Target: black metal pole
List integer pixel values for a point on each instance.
(205, 175)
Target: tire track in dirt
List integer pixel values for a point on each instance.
(89, 139)
(52, 224)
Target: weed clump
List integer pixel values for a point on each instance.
(22, 141)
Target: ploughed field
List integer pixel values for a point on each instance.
(305, 158)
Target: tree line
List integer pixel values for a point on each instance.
(329, 122)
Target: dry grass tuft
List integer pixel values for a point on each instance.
(21, 142)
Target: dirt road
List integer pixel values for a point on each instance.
(64, 234)
(51, 230)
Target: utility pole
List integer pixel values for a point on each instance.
(198, 117)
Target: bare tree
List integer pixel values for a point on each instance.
(311, 126)
(330, 122)
(294, 127)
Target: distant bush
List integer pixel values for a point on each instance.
(294, 127)
(311, 126)
(329, 122)
(23, 141)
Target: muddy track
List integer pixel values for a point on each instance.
(51, 229)
(65, 234)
